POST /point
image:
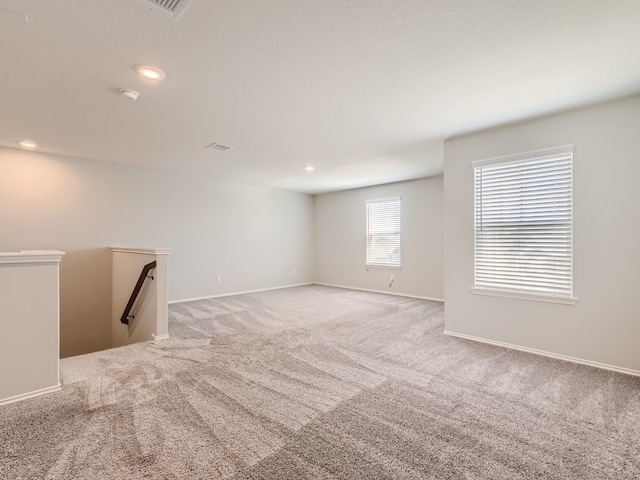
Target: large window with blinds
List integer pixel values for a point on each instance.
(523, 225)
(383, 232)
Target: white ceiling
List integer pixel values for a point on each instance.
(366, 90)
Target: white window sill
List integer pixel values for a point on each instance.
(388, 267)
(524, 296)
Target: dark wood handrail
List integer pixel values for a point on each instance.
(136, 290)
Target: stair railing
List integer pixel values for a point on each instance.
(144, 274)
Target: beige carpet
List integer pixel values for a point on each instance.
(322, 383)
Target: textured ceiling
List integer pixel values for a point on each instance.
(366, 90)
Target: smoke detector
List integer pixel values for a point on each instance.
(170, 8)
(130, 94)
(218, 147)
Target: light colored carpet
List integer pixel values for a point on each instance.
(322, 383)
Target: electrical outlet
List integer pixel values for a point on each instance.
(219, 279)
(294, 272)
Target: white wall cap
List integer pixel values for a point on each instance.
(142, 251)
(31, 256)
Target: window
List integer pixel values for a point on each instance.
(523, 225)
(383, 232)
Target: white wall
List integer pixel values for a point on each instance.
(340, 227)
(251, 237)
(604, 327)
(29, 319)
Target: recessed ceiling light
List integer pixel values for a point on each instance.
(150, 72)
(28, 143)
(309, 168)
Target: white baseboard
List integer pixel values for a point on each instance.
(230, 294)
(381, 291)
(157, 338)
(35, 393)
(206, 297)
(544, 353)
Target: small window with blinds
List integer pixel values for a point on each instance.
(523, 225)
(383, 232)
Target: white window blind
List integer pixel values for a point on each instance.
(523, 223)
(383, 232)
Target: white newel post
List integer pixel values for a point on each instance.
(29, 324)
(148, 319)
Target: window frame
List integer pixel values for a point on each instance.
(369, 261)
(524, 290)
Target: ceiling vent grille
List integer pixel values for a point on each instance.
(218, 147)
(170, 8)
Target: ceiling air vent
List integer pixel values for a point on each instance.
(218, 146)
(170, 8)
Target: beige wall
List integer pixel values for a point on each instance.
(251, 237)
(604, 326)
(340, 228)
